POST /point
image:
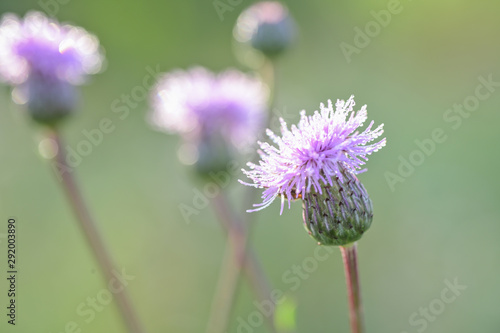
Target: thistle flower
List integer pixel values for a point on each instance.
(215, 112)
(266, 26)
(316, 161)
(41, 45)
(45, 60)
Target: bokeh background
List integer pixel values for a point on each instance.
(441, 223)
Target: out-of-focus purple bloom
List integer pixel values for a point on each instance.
(199, 104)
(313, 153)
(37, 45)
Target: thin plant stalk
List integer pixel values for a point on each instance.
(239, 257)
(232, 265)
(350, 258)
(268, 73)
(221, 308)
(90, 230)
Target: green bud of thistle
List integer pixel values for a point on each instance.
(267, 27)
(339, 215)
(50, 100)
(213, 154)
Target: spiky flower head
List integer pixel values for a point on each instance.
(45, 59)
(319, 158)
(210, 110)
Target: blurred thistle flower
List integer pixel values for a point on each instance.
(266, 26)
(316, 161)
(41, 45)
(44, 60)
(215, 113)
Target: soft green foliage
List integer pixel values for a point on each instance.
(285, 317)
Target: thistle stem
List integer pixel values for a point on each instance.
(229, 278)
(349, 256)
(92, 235)
(239, 258)
(268, 72)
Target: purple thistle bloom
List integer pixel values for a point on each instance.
(313, 153)
(41, 46)
(198, 104)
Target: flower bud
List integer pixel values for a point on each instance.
(213, 155)
(340, 214)
(49, 99)
(267, 27)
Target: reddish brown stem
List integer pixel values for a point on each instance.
(92, 235)
(350, 258)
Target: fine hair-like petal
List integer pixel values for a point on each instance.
(309, 155)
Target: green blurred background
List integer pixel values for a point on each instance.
(441, 223)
